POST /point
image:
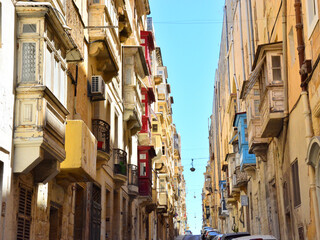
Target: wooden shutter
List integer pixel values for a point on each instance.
(95, 218)
(24, 213)
(296, 183)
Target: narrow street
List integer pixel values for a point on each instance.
(192, 237)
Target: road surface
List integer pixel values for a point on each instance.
(192, 237)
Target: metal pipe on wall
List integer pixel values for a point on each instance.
(227, 45)
(241, 42)
(251, 30)
(306, 106)
(248, 35)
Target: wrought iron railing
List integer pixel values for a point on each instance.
(133, 175)
(120, 162)
(101, 130)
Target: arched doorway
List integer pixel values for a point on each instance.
(313, 159)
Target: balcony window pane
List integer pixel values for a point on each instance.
(29, 28)
(276, 62)
(276, 73)
(56, 78)
(48, 69)
(62, 85)
(28, 62)
(143, 169)
(276, 68)
(256, 107)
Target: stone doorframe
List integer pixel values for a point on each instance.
(313, 159)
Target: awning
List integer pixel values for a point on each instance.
(248, 85)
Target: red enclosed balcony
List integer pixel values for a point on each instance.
(147, 41)
(145, 155)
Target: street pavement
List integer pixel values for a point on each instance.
(192, 237)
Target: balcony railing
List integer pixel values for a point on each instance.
(120, 162)
(101, 131)
(133, 175)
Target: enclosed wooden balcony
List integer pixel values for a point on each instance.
(101, 130)
(120, 167)
(134, 67)
(272, 111)
(40, 103)
(241, 177)
(39, 134)
(81, 153)
(162, 201)
(104, 39)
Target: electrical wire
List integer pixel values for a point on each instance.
(211, 21)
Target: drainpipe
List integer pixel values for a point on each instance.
(241, 42)
(227, 46)
(306, 106)
(248, 33)
(234, 72)
(286, 114)
(251, 30)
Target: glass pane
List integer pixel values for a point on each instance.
(28, 62)
(29, 28)
(256, 107)
(48, 72)
(143, 170)
(276, 61)
(56, 78)
(276, 73)
(62, 85)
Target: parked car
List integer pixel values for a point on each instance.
(204, 231)
(188, 232)
(257, 237)
(217, 237)
(230, 236)
(211, 234)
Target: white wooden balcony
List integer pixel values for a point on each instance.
(134, 67)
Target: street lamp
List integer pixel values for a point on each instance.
(192, 169)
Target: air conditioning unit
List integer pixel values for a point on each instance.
(97, 88)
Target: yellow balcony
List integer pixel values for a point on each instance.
(81, 153)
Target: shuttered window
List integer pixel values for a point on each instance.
(24, 213)
(95, 219)
(296, 183)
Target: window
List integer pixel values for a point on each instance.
(143, 169)
(256, 107)
(163, 150)
(55, 74)
(24, 213)
(276, 69)
(296, 183)
(28, 72)
(312, 15)
(155, 127)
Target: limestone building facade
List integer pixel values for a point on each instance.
(78, 155)
(264, 126)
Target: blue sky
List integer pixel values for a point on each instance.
(189, 33)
